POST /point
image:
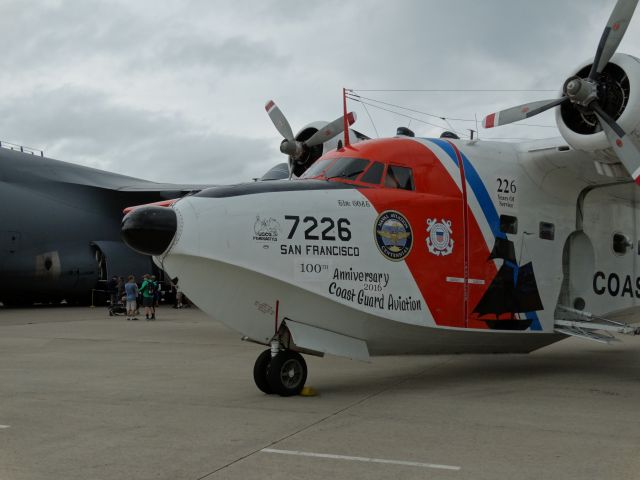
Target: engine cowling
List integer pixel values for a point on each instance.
(619, 95)
(311, 154)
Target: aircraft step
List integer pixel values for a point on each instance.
(578, 323)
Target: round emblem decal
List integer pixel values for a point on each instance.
(439, 241)
(393, 235)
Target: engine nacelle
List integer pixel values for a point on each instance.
(311, 154)
(619, 95)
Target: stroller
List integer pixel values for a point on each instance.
(117, 309)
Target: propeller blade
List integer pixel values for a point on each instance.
(520, 112)
(279, 120)
(612, 35)
(330, 130)
(290, 163)
(622, 145)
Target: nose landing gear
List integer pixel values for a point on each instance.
(284, 374)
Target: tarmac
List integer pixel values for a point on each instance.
(88, 396)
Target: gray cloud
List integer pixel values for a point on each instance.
(86, 127)
(176, 90)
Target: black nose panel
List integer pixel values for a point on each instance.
(149, 230)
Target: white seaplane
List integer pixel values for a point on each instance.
(411, 245)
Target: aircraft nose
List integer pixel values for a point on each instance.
(149, 230)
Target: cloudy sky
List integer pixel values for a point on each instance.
(174, 90)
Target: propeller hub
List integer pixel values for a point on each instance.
(581, 91)
(291, 148)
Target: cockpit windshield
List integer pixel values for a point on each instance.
(363, 171)
(347, 168)
(317, 168)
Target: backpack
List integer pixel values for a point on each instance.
(150, 288)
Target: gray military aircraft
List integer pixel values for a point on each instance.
(60, 222)
(60, 227)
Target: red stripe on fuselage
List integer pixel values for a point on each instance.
(437, 198)
(465, 233)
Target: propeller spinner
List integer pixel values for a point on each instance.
(587, 94)
(297, 150)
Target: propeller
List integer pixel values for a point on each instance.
(298, 149)
(588, 95)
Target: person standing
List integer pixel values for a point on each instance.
(158, 294)
(112, 288)
(131, 292)
(178, 299)
(120, 289)
(148, 296)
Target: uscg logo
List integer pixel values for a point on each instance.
(439, 241)
(393, 235)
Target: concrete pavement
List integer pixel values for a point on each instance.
(87, 396)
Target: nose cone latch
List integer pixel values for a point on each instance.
(149, 230)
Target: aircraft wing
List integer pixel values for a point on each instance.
(598, 167)
(143, 186)
(20, 168)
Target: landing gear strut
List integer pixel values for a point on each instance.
(280, 371)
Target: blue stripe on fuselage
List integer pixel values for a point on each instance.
(484, 199)
(475, 182)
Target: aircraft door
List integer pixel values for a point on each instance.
(578, 266)
(601, 258)
(433, 252)
(437, 257)
(446, 243)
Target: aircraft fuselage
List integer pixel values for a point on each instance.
(474, 255)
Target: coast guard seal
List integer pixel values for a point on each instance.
(439, 241)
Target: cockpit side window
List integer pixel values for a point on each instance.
(347, 168)
(374, 174)
(399, 177)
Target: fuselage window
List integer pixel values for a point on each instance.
(508, 224)
(374, 174)
(547, 231)
(399, 177)
(347, 168)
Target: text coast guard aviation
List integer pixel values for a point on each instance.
(422, 246)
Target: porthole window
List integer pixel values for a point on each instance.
(621, 243)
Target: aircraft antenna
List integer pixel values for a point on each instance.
(475, 115)
(344, 116)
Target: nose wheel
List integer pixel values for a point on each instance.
(284, 374)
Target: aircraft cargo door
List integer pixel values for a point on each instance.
(601, 259)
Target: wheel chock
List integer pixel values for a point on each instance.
(308, 392)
